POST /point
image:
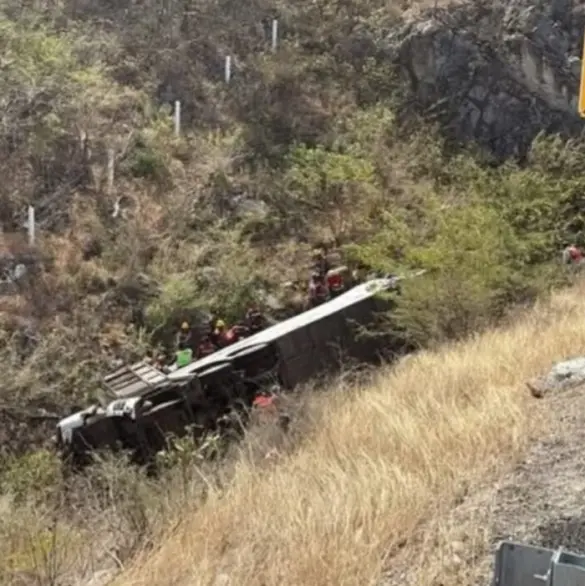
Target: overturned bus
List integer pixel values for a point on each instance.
(141, 406)
(144, 405)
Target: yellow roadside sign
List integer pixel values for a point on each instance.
(582, 83)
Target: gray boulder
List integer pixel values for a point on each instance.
(563, 375)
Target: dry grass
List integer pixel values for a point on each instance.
(380, 460)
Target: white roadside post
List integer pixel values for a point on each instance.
(228, 68)
(274, 35)
(31, 225)
(177, 118)
(110, 170)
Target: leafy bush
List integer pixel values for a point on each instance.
(29, 477)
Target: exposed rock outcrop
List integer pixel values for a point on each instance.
(564, 375)
(496, 72)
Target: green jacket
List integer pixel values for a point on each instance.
(184, 357)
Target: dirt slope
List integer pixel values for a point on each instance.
(541, 502)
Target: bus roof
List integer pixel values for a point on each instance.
(134, 380)
(273, 333)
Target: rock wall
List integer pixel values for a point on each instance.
(496, 72)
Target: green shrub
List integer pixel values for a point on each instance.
(30, 476)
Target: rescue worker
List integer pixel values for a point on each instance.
(266, 403)
(184, 355)
(572, 255)
(320, 263)
(255, 320)
(236, 333)
(265, 400)
(184, 335)
(318, 292)
(335, 282)
(219, 334)
(205, 347)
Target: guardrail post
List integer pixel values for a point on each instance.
(228, 68)
(110, 170)
(177, 118)
(274, 35)
(31, 228)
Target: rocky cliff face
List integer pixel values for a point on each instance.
(496, 72)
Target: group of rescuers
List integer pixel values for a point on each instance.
(325, 283)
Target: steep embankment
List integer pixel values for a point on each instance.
(539, 501)
(329, 138)
(382, 460)
(338, 118)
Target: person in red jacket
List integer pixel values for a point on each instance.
(235, 334)
(218, 337)
(266, 404)
(264, 400)
(572, 255)
(335, 283)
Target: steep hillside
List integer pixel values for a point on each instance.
(368, 496)
(497, 73)
(328, 139)
(404, 135)
(385, 482)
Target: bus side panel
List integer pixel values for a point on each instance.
(363, 343)
(298, 370)
(294, 343)
(328, 336)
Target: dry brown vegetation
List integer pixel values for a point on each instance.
(382, 459)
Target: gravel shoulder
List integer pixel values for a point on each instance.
(541, 501)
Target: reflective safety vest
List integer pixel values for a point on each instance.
(184, 357)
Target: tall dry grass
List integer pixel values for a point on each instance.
(380, 460)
